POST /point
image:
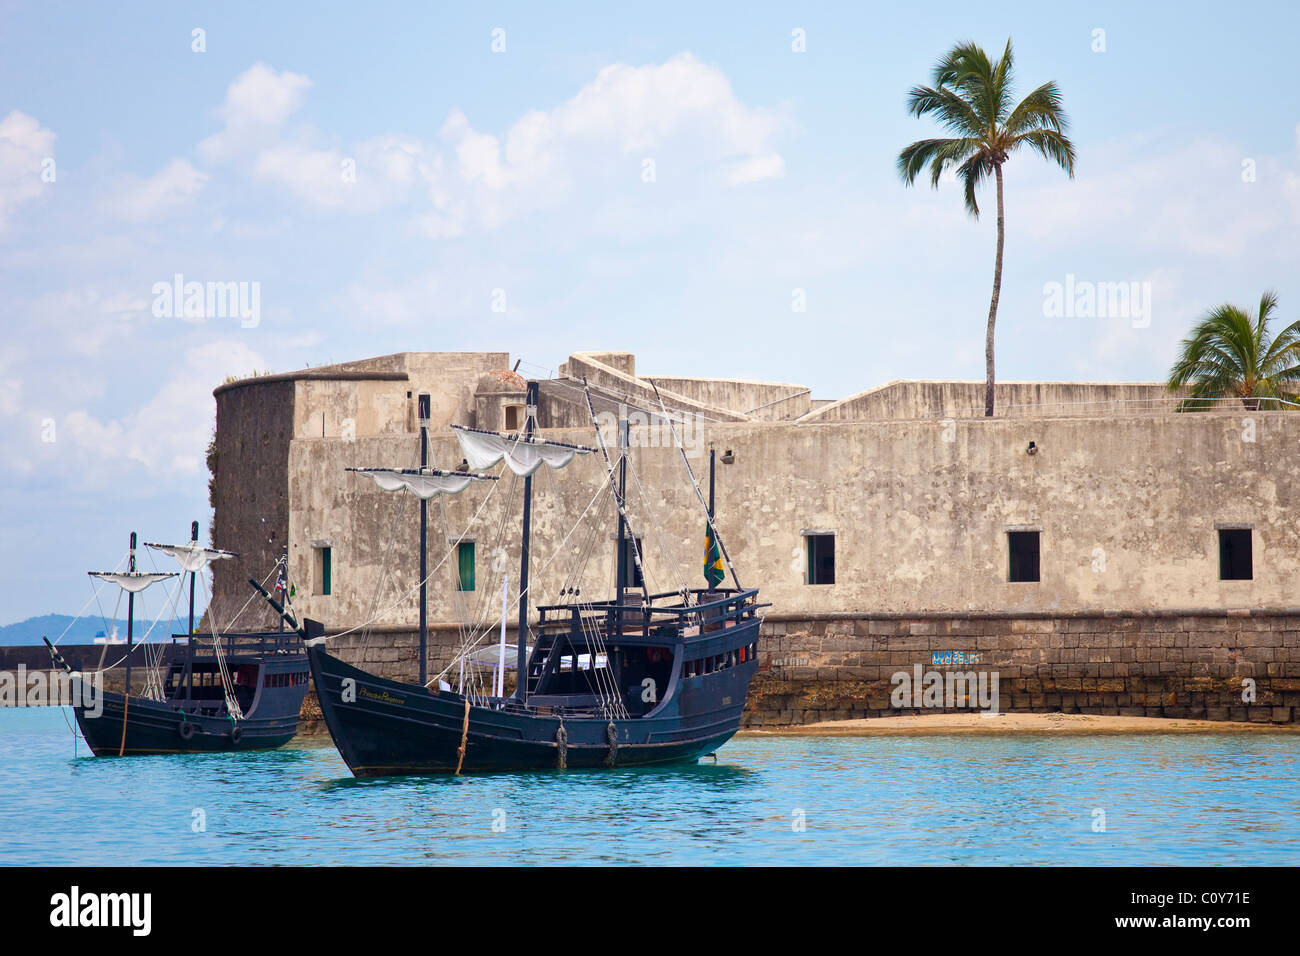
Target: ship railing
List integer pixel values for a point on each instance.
(271, 642)
(696, 607)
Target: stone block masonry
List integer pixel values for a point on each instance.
(1190, 664)
(1195, 664)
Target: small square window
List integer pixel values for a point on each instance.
(821, 558)
(512, 417)
(1236, 562)
(465, 566)
(1022, 554)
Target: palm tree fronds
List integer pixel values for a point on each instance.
(1041, 109)
(1230, 354)
(972, 172)
(1052, 145)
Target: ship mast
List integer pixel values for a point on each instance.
(423, 414)
(621, 573)
(521, 654)
(194, 542)
(130, 616)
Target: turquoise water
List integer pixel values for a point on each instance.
(1220, 799)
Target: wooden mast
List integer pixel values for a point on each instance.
(423, 414)
(521, 655)
(130, 616)
(621, 574)
(194, 540)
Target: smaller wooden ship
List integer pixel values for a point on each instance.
(203, 692)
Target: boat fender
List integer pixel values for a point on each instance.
(611, 735)
(186, 730)
(236, 735)
(562, 747)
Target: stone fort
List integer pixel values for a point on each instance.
(1099, 551)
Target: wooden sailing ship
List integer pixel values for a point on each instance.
(203, 692)
(639, 679)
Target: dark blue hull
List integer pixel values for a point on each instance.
(268, 680)
(383, 727)
(156, 727)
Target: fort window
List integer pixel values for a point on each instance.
(1236, 561)
(465, 566)
(324, 570)
(513, 414)
(1022, 556)
(821, 556)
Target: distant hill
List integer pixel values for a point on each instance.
(84, 631)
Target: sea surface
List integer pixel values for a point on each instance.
(933, 800)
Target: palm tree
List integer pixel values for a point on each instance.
(971, 98)
(1231, 354)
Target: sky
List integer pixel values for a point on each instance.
(709, 186)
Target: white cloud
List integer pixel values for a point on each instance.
(1189, 197)
(682, 115)
(759, 168)
(24, 147)
(170, 431)
(258, 103)
(167, 191)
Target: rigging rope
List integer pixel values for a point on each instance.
(698, 494)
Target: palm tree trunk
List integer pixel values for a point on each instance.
(993, 305)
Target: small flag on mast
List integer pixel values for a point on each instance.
(713, 571)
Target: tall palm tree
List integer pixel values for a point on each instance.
(1231, 354)
(971, 98)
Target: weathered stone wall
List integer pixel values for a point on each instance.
(1168, 665)
(906, 400)
(592, 367)
(840, 667)
(254, 430)
(1127, 509)
(758, 401)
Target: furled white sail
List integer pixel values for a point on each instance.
(522, 455)
(133, 581)
(191, 556)
(424, 483)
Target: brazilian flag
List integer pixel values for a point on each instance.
(713, 572)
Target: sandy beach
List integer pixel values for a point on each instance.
(1057, 723)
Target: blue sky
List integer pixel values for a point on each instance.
(524, 170)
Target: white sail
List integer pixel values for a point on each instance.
(133, 581)
(424, 483)
(522, 455)
(191, 556)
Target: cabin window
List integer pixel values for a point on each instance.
(324, 570)
(1236, 562)
(513, 414)
(634, 578)
(1022, 556)
(821, 558)
(465, 566)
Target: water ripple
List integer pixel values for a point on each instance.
(933, 800)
